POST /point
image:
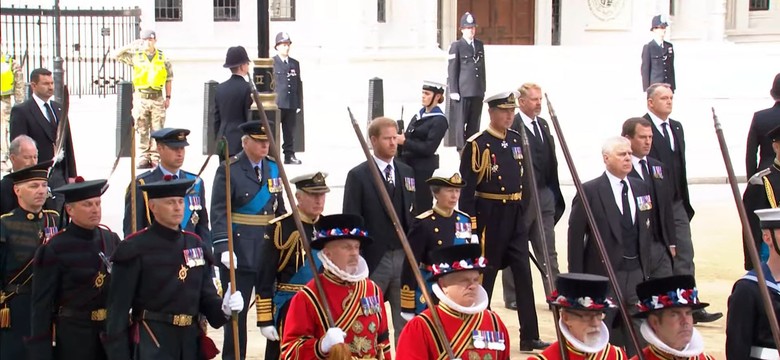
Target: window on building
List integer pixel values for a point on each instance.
(226, 10)
(556, 22)
(759, 5)
(672, 8)
(167, 10)
(381, 11)
(282, 10)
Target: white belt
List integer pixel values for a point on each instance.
(758, 352)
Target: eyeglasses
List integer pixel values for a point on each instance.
(588, 317)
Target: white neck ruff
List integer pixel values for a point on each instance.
(478, 307)
(579, 345)
(359, 275)
(694, 348)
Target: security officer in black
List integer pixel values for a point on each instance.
(440, 226)
(289, 94)
(492, 167)
(171, 145)
(761, 194)
(162, 273)
(285, 269)
(72, 274)
(256, 199)
(22, 231)
(232, 101)
(466, 80)
(418, 144)
(658, 57)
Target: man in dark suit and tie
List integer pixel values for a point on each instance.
(758, 141)
(39, 118)
(669, 147)
(232, 100)
(466, 81)
(622, 207)
(639, 131)
(542, 145)
(658, 57)
(385, 256)
(289, 94)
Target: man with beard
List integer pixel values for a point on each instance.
(284, 270)
(356, 303)
(667, 306)
(22, 231)
(462, 309)
(582, 301)
(72, 273)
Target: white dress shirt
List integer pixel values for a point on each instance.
(381, 164)
(617, 192)
(530, 127)
(638, 166)
(657, 122)
(40, 104)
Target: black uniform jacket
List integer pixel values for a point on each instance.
(758, 141)
(232, 100)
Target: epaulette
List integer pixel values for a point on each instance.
(128, 237)
(145, 174)
(475, 136)
(279, 218)
(425, 214)
(233, 159)
(51, 212)
(193, 234)
(514, 131)
(463, 213)
(7, 214)
(756, 178)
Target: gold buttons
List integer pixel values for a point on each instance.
(457, 218)
(438, 242)
(433, 217)
(30, 216)
(503, 201)
(488, 145)
(503, 188)
(435, 229)
(514, 140)
(499, 177)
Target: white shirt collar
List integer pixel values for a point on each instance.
(657, 121)
(617, 192)
(382, 165)
(637, 167)
(527, 120)
(659, 42)
(40, 103)
(166, 172)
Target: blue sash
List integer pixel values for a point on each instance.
(770, 281)
(258, 202)
(185, 221)
(302, 277)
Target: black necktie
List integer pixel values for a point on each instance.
(536, 131)
(645, 172)
(665, 128)
(389, 175)
(626, 207)
(258, 174)
(175, 177)
(50, 114)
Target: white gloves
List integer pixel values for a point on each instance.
(270, 333)
(225, 259)
(332, 337)
(407, 316)
(230, 303)
(455, 96)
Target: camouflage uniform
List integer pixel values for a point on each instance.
(17, 91)
(148, 105)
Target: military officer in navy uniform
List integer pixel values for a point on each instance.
(440, 226)
(466, 80)
(232, 100)
(285, 270)
(71, 276)
(22, 231)
(761, 194)
(492, 167)
(658, 57)
(163, 275)
(289, 94)
(171, 145)
(417, 146)
(256, 199)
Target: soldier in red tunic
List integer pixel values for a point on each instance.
(356, 303)
(667, 306)
(582, 301)
(472, 331)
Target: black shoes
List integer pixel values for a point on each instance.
(511, 305)
(291, 160)
(531, 345)
(702, 316)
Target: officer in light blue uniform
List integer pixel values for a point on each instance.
(256, 199)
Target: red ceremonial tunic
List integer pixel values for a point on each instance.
(306, 322)
(653, 353)
(420, 340)
(553, 352)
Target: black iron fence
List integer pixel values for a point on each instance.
(88, 36)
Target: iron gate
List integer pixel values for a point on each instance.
(88, 36)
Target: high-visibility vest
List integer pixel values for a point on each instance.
(6, 76)
(149, 74)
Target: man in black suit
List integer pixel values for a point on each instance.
(763, 121)
(232, 100)
(39, 118)
(669, 147)
(385, 257)
(542, 145)
(466, 81)
(622, 207)
(639, 131)
(22, 153)
(658, 57)
(289, 94)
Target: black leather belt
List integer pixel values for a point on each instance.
(182, 320)
(94, 315)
